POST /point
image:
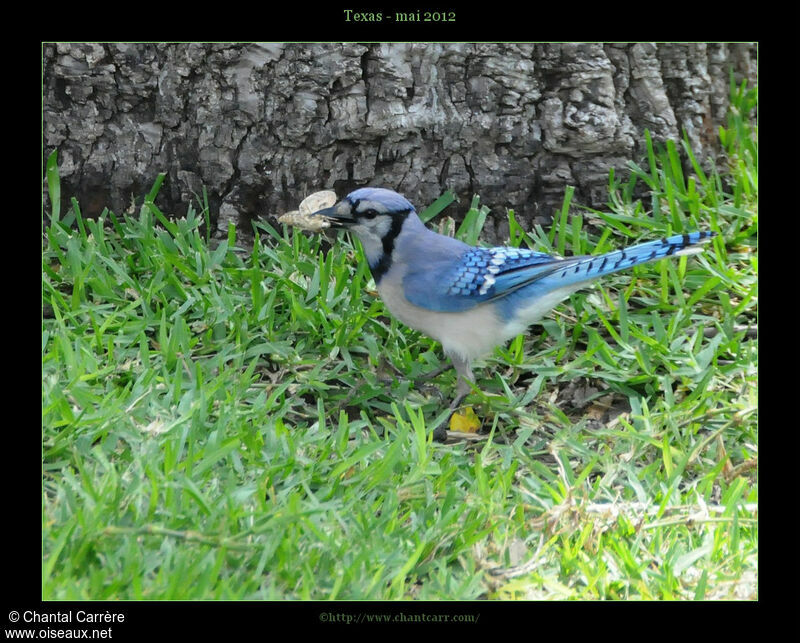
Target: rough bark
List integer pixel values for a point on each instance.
(263, 125)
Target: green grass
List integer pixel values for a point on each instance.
(215, 423)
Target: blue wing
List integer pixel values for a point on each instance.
(477, 276)
(480, 275)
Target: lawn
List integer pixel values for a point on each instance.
(230, 423)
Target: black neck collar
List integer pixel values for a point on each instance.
(381, 267)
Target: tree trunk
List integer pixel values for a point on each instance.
(260, 126)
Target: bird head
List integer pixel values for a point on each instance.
(371, 213)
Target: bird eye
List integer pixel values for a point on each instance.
(370, 214)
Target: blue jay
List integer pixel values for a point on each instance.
(471, 299)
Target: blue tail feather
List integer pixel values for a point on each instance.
(582, 269)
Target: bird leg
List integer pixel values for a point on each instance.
(465, 379)
(463, 387)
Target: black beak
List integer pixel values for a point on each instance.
(339, 215)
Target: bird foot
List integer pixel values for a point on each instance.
(440, 431)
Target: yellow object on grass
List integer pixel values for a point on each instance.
(465, 421)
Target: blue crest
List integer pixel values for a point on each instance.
(393, 201)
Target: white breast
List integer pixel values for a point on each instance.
(469, 334)
(472, 333)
